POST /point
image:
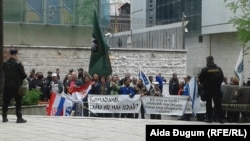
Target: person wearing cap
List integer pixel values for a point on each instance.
(156, 91)
(14, 75)
(56, 85)
(211, 78)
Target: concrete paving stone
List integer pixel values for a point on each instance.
(45, 128)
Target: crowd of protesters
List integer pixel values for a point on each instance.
(101, 85)
(112, 85)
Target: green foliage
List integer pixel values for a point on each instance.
(241, 18)
(85, 11)
(31, 98)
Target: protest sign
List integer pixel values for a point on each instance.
(114, 103)
(170, 105)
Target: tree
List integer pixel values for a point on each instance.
(85, 11)
(241, 19)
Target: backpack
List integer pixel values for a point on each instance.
(23, 89)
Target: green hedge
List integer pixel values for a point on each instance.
(32, 97)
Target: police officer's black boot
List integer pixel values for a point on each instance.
(19, 118)
(4, 116)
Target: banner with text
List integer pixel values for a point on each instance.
(114, 103)
(170, 105)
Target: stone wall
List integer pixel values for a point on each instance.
(152, 61)
(123, 61)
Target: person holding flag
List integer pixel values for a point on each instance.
(147, 84)
(81, 94)
(99, 60)
(145, 79)
(211, 78)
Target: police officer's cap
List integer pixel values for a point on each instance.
(13, 51)
(210, 58)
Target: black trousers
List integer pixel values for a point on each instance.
(8, 94)
(155, 116)
(215, 95)
(142, 112)
(127, 115)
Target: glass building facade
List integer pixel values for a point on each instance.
(170, 11)
(61, 12)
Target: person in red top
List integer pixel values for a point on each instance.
(181, 86)
(75, 83)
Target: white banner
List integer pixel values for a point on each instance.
(170, 105)
(114, 103)
(202, 108)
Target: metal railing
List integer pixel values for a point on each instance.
(161, 37)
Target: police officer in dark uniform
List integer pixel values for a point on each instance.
(211, 78)
(14, 75)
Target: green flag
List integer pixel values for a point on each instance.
(99, 60)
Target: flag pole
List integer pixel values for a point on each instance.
(242, 83)
(140, 69)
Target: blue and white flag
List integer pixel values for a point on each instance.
(239, 68)
(56, 104)
(59, 105)
(144, 78)
(193, 93)
(67, 107)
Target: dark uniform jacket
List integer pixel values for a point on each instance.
(14, 73)
(211, 77)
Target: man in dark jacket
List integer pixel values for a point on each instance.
(211, 78)
(14, 75)
(174, 85)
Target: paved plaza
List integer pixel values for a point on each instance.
(59, 128)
